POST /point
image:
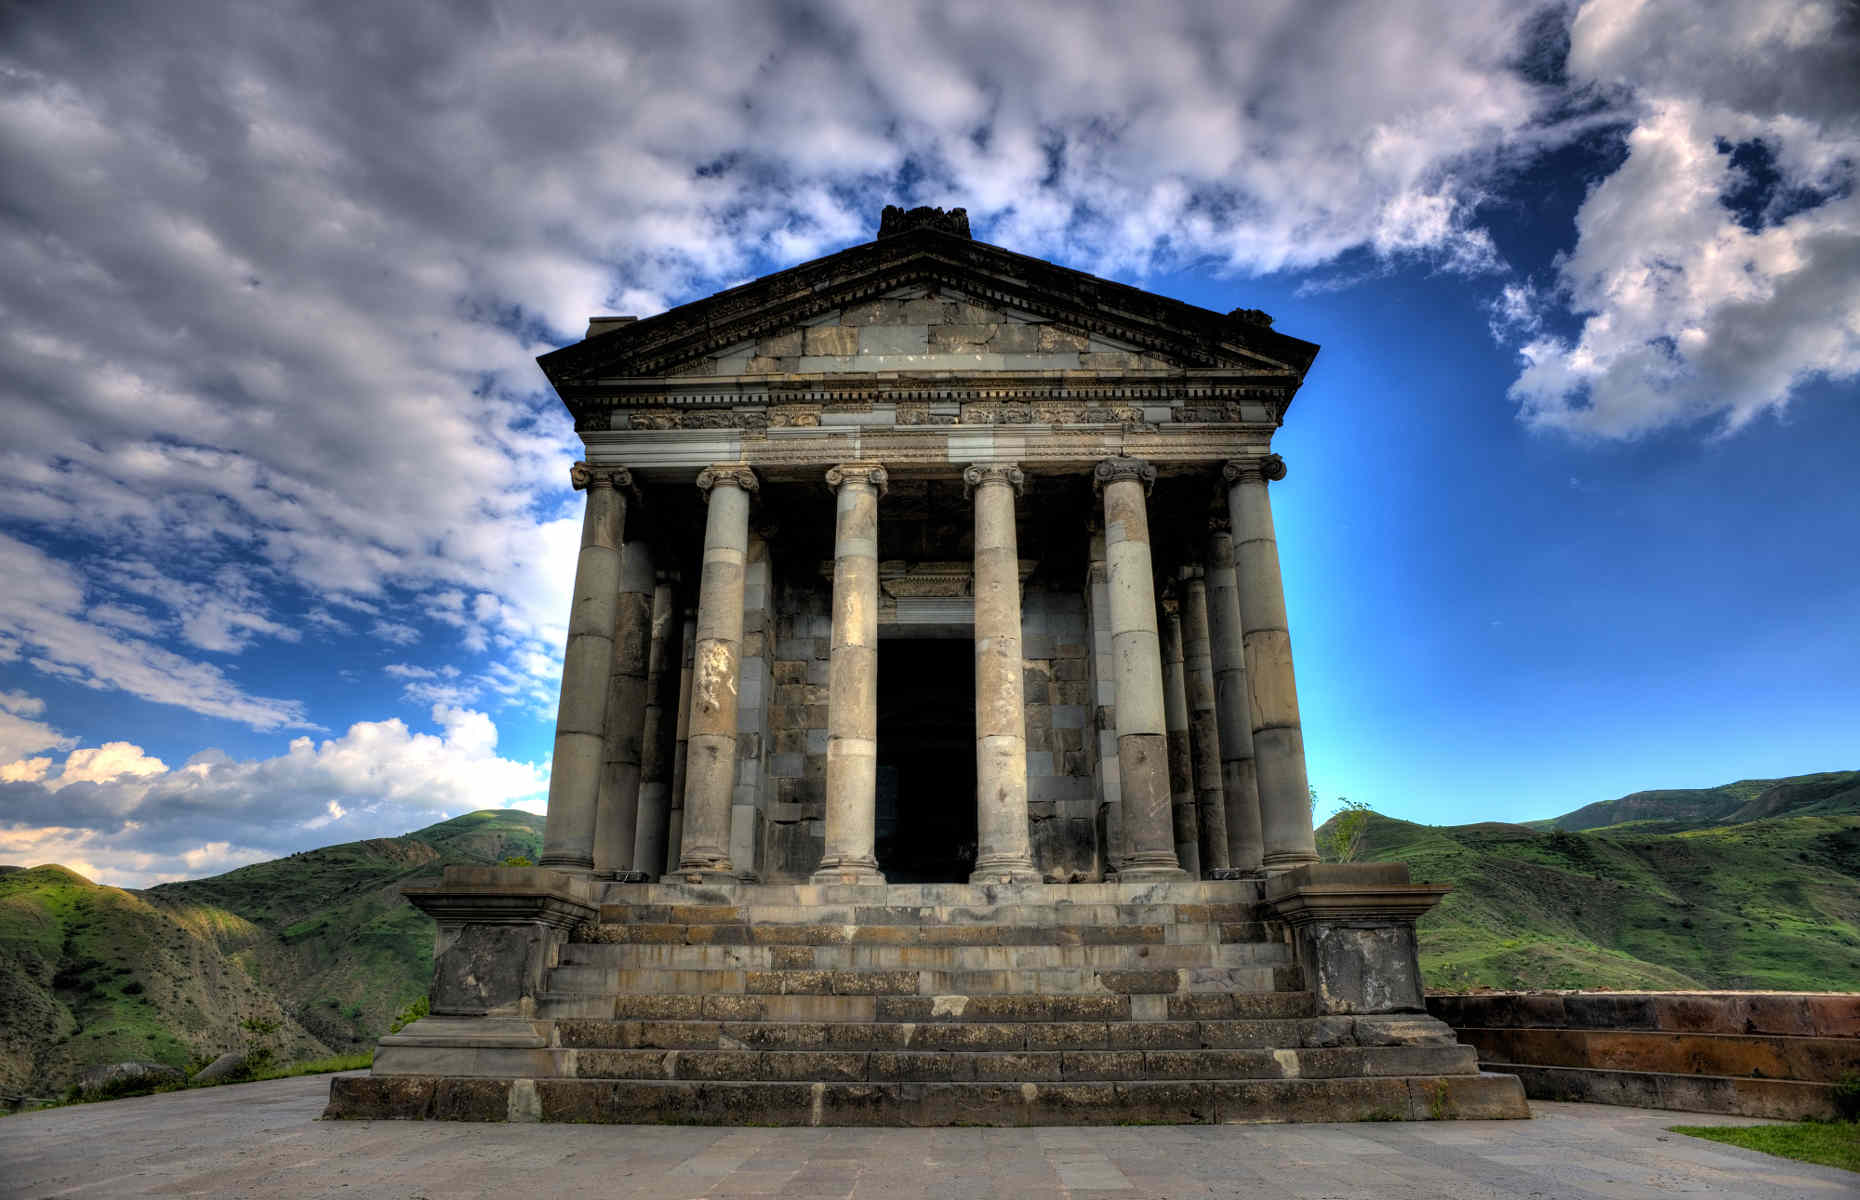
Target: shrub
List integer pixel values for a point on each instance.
(1847, 1096)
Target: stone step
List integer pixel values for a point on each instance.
(818, 932)
(1027, 1066)
(1272, 1033)
(648, 981)
(962, 958)
(1239, 891)
(677, 1102)
(1039, 916)
(1183, 1006)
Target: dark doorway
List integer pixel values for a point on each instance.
(926, 760)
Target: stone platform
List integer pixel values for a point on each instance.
(1169, 1002)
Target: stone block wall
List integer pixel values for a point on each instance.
(1756, 1054)
(795, 832)
(1056, 648)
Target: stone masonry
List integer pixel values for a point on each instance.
(935, 758)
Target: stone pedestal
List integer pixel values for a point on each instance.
(581, 714)
(852, 680)
(710, 768)
(1353, 930)
(1142, 739)
(500, 930)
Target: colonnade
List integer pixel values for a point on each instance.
(1210, 690)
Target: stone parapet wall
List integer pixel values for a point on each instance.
(1759, 1054)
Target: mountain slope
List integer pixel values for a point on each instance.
(1828, 794)
(1773, 903)
(319, 943)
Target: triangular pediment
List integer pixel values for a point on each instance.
(926, 301)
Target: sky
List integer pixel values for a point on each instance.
(286, 536)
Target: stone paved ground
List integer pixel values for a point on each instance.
(263, 1139)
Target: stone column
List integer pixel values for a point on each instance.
(1004, 850)
(1233, 705)
(1142, 748)
(574, 777)
(617, 809)
(852, 679)
(655, 741)
(1203, 728)
(710, 770)
(1278, 742)
(1175, 718)
(675, 824)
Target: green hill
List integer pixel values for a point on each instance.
(1832, 793)
(319, 943)
(1770, 903)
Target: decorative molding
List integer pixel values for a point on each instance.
(1267, 468)
(977, 474)
(869, 474)
(1119, 469)
(583, 476)
(736, 474)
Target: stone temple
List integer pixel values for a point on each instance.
(928, 748)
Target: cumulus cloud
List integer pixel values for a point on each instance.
(1718, 268)
(125, 817)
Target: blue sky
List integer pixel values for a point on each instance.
(285, 533)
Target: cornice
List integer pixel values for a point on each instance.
(926, 256)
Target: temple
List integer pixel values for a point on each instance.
(928, 748)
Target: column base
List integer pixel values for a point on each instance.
(1014, 870)
(1279, 866)
(1223, 873)
(567, 863)
(849, 871)
(1150, 874)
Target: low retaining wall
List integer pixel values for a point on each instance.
(1755, 1054)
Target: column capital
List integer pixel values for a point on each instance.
(1167, 601)
(977, 474)
(871, 474)
(1220, 525)
(1268, 468)
(1115, 470)
(583, 477)
(734, 474)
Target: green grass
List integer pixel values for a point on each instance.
(320, 1066)
(1831, 1144)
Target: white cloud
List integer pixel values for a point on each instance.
(1694, 311)
(42, 610)
(122, 817)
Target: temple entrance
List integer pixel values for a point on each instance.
(926, 760)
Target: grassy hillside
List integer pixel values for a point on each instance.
(318, 943)
(1772, 903)
(1831, 793)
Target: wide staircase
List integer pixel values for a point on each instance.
(955, 1004)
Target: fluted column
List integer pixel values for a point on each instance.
(1203, 727)
(581, 713)
(852, 679)
(710, 769)
(1175, 720)
(1003, 849)
(675, 823)
(655, 740)
(1142, 749)
(1278, 742)
(1233, 704)
(617, 807)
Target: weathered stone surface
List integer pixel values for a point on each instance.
(380, 1098)
(227, 1066)
(471, 1100)
(127, 1078)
